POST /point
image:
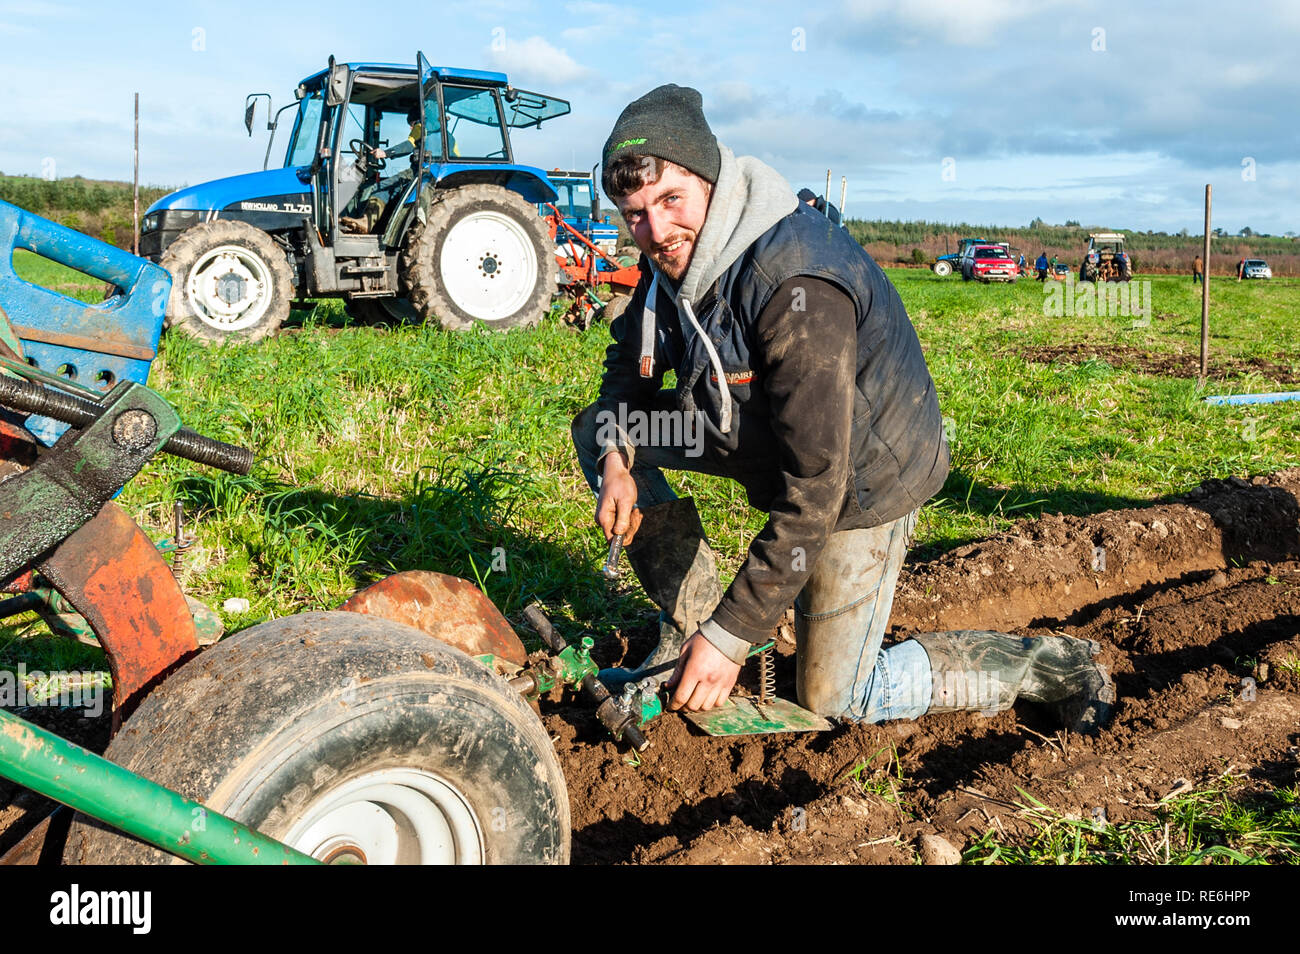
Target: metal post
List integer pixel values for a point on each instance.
(65, 772)
(1205, 296)
(827, 193)
(135, 185)
(844, 188)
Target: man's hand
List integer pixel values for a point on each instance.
(703, 678)
(616, 506)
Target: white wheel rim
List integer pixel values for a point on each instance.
(229, 288)
(394, 816)
(488, 265)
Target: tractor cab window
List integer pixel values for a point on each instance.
(393, 129)
(573, 198)
(473, 124)
(302, 147)
(577, 197)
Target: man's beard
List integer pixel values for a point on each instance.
(674, 267)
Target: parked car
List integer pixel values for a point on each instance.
(1256, 268)
(943, 265)
(988, 263)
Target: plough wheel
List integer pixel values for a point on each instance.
(352, 738)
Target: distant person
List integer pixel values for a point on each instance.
(1198, 270)
(818, 202)
(1054, 263)
(1041, 266)
(1021, 263)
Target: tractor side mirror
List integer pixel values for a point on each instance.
(336, 87)
(250, 109)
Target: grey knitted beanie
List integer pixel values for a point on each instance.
(667, 122)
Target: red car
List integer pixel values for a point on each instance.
(989, 263)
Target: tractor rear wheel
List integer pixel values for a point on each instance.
(483, 254)
(230, 282)
(351, 738)
(615, 307)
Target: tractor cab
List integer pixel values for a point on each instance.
(398, 192)
(578, 205)
(362, 130)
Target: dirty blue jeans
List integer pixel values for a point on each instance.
(840, 615)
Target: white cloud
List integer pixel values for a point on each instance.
(959, 22)
(585, 8)
(35, 8)
(1239, 75)
(535, 60)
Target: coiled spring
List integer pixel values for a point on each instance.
(767, 675)
(181, 541)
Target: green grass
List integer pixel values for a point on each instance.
(50, 274)
(382, 450)
(1214, 826)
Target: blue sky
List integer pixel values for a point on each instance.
(1115, 114)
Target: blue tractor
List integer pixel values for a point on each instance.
(347, 215)
(577, 204)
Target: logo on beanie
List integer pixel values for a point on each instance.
(628, 142)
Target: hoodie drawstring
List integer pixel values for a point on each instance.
(717, 366)
(648, 346)
(648, 328)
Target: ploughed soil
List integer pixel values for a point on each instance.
(1167, 364)
(1187, 599)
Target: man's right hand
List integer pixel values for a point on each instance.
(616, 510)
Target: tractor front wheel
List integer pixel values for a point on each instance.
(230, 282)
(483, 254)
(942, 269)
(351, 738)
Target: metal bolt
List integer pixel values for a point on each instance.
(134, 429)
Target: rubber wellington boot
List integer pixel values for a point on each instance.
(679, 572)
(987, 671)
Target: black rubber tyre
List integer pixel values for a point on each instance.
(474, 237)
(381, 311)
(279, 725)
(230, 282)
(615, 307)
(1088, 272)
